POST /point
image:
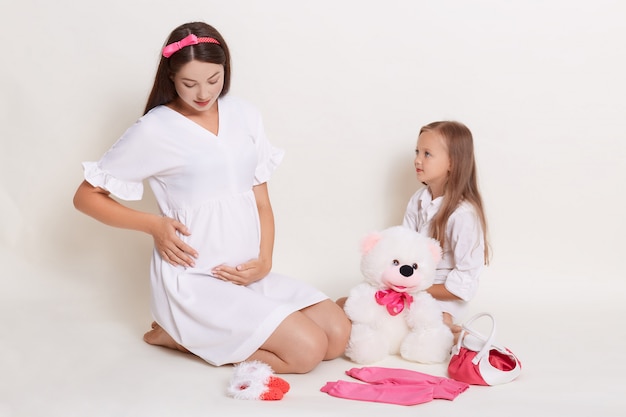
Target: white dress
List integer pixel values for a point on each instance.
(205, 182)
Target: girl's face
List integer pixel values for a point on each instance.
(199, 85)
(432, 162)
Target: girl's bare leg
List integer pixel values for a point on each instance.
(159, 337)
(456, 329)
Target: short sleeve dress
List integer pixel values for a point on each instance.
(205, 181)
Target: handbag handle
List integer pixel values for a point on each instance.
(488, 341)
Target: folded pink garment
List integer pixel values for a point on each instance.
(443, 388)
(391, 394)
(394, 386)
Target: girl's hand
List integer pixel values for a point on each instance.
(170, 246)
(243, 274)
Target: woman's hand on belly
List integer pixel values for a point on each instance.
(245, 273)
(169, 245)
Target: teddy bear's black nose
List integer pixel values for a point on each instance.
(406, 270)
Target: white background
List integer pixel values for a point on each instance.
(344, 87)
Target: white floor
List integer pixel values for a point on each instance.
(71, 346)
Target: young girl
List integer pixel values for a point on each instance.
(207, 160)
(450, 209)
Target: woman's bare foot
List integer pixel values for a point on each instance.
(159, 337)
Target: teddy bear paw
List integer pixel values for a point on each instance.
(429, 347)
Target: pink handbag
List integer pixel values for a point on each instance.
(477, 360)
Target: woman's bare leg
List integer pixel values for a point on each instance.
(303, 340)
(159, 337)
(296, 346)
(341, 301)
(331, 318)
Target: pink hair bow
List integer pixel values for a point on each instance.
(393, 300)
(189, 40)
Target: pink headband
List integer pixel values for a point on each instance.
(173, 47)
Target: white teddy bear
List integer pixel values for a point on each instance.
(391, 312)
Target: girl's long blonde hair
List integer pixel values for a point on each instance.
(462, 184)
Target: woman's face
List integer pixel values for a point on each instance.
(199, 84)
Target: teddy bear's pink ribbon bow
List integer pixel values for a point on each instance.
(393, 300)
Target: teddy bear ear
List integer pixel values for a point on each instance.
(435, 249)
(369, 241)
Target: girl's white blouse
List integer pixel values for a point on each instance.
(463, 254)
